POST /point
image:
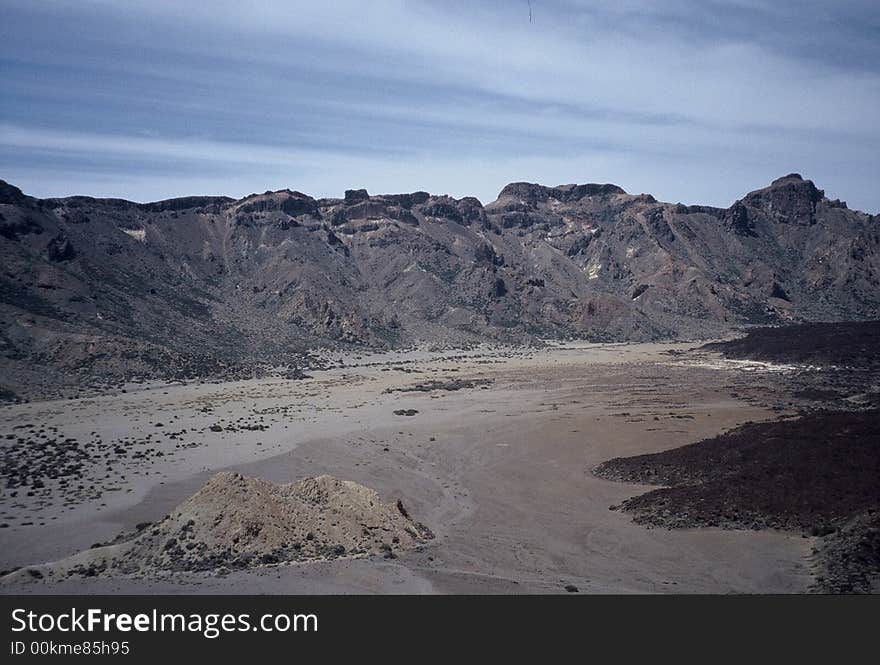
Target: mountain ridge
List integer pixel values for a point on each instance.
(195, 286)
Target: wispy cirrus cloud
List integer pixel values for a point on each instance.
(690, 100)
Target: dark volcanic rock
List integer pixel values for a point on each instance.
(658, 226)
(60, 249)
(802, 475)
(526, 191)
(818, 475)
(790, 199)
(449, 385)
(10, 194)
(290, 203)
(185, 203)
(778, 292)
(736, 218)
(532, 193)
(355, 195)
(405, 412)
(13, 229)
(847, 560)
(852, 344)
(577, 192)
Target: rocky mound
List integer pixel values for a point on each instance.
(236, 522)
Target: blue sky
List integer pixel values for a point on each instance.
(692, 101)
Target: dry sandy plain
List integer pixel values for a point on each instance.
(501, 471)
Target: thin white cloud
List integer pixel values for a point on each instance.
(398, 95)
(723, 82)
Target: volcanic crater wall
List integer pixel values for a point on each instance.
(199, 286)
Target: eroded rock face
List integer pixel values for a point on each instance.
(186, 203)
(291, 203)
(533, 193)
(356, 195)
(790, 199)
(737, 220)
(176, 288)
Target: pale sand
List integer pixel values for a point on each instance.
(505, 484)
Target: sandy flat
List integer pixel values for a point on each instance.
(500, 471)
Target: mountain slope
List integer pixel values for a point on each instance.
(204, 286)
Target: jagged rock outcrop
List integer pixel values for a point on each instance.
(60, 249)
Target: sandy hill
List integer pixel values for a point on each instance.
(235, 522)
